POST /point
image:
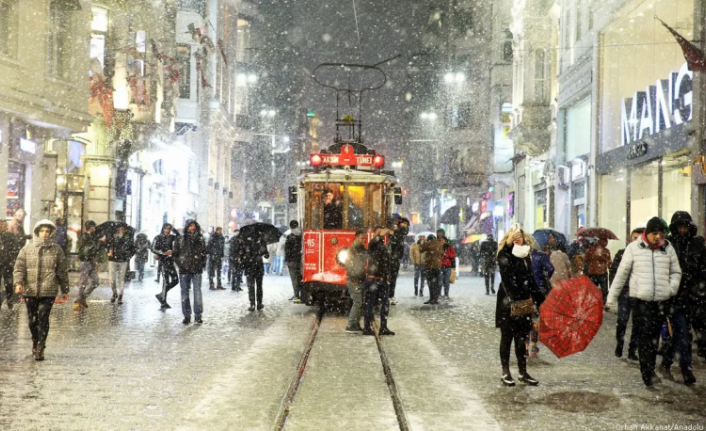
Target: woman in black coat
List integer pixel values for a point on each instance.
(518, 284)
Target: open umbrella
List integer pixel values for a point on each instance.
(570, 316)
(267, 232)
(597, 232)
(109, 228)
(542, 236)
(473, 238)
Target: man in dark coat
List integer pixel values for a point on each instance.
(690, 297)
(121, 248)
(215, 246)
(400, 230)
(333, 211)
(252, 250)
(9, 249)
(163, 247)
(355, 263)
(488, 253)
(89, 251)
(624, 305)
(191, 257)
(377, 282)
(293, 257)
(235, 263)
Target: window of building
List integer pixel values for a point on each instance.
(9, 25)
(589, 6)
(539, 75)
(460, 116)
(579, 19)
(242, 39)
(59, 42)
(507, 51)
(567, 40)
(183, 57)
(612, 211)
(99, 30)
(644, 192)
(578, 129)
(676, 185)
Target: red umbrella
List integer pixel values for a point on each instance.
(570, 316)
(597, 232)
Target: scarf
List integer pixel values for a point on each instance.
(651, 246)
(521, 251)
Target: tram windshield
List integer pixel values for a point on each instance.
(344, 206)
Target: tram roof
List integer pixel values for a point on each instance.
(348, 175)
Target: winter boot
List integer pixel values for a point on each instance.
(34, 348)
(689, 378)
(120, 299)
(619, 350)
(211, 286)
(39, 356)
(113, 298)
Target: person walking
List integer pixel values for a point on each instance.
(652, 267)
(215, 246)
(293, 255)
(415, 254)
(400, 229)
(542, 271)
(90, 249)
(624, 305)
(16, 226)
(448, 265)
(475, 259)
(433, 252)
(121, 248)
(560, 261)
(9, 249)
(164, 248)
(377, 282)
(517, 293)
(61, 236)
(355, 264)
(40, 272)
(142, 247)
(236, 265)
(191, 258)
(691, 252)
(598, 263)
(488, 252)
(253, 253)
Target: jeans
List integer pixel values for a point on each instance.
(6, 277)
(446, 279)
(394, 272)
(116, 275)
(215, 264)
(187, 281)
(355, 290)
(237, 276)
(489, 271)
(507, 335)
(376, 289)
(38, 310)
(254, 280)
(433, 281)
(601, 282)
(419, 276)
(295, 273)
(88, 280)
(267, 267)
(623, 317)
(681, 343)
(648, 317)
(140, 268)
(170, 279)
(278, 265)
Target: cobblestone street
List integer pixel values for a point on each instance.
(132, 367)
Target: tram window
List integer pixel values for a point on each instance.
(356, 206)
(314, 210)
(326, 206)
(377, 209)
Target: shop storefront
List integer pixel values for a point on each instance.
(23, 148)
(646, 96)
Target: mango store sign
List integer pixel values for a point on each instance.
(661, 106)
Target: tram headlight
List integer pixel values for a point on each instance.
(341, 256)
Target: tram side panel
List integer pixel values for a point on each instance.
(322, 272)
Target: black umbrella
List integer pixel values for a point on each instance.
(109, 228)
(265, 231)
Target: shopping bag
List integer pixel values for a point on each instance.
(452, 277)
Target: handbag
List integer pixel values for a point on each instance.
(520, 308)
(452, 277)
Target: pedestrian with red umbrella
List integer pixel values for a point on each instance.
(652, 266)
(517, 297)
(598, 262)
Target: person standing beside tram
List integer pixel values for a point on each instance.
(399, 232)
(355, 264)
(293, 257)
(377, 283)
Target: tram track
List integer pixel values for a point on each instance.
(289, 399)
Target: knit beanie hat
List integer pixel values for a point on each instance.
(655, 224)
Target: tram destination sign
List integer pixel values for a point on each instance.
(347, 158)
(662, 106)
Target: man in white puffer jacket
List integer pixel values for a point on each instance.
(652, 267)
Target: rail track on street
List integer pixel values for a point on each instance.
(289, 399)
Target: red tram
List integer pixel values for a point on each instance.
(345, 190)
